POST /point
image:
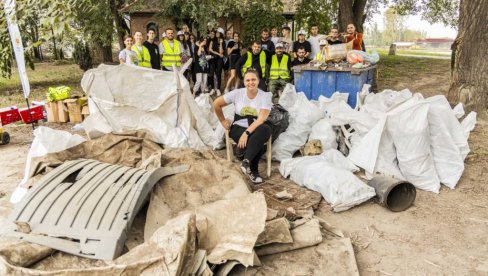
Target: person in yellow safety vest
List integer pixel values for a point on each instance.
(254, 58)
(141, 51)
(279, 71)
(170, 50)
(321, 55)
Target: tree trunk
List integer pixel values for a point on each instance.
(55, 50)
(102, 53)
(469, 83)
(119, 22)
(351, 11)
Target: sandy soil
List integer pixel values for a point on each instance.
(442, 234)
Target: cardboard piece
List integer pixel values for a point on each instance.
(74, 110)
(85, 112)
(63, 115)
(52, 112)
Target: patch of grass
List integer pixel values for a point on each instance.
(44, 76)
(408, 67)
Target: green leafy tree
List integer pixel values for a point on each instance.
(319, 12)
(82, 56)
(394, 26)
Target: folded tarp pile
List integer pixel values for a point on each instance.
(393, 133)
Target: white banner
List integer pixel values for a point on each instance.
(13, 29)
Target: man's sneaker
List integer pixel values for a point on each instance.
(255, 178)
(212, 92)
(218, 92)
(245, 167)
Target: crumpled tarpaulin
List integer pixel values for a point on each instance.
(125, 98)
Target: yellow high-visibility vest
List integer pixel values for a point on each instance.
(171, 55)
(144, 57)
(279, 70)
(262, 62)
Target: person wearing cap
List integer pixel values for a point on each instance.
(319, 57)
(266, 44)
(254, 58)
(153, 49)
(301, 42)
(314, 40)
(279, 72)
(142, 52)
(170, 50)
(216, 49)
(185, 51)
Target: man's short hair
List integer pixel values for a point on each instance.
(286, 28)
(301, 48)
(255, 42)
(169, 29)
(151, 29)
(314, 25)
(265, 30)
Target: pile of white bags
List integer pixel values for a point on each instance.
(331, 175)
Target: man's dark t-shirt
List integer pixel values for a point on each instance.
(154, 53)
(298, 62)
(332, 42)
(297, 44)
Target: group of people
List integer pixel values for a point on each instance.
(265, 66)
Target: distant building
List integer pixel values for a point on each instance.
(444, 42)
(141, 15)
(402, 44)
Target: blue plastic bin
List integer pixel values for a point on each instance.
(315, 82)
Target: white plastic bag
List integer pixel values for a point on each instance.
(449, 162)
(469, 123)
(329, 174)
(46, 140)
(204, 101)
(409, 129)
(303, 115)
(323, 131)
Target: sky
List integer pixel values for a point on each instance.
(414, 22)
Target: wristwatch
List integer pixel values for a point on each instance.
(248, 133)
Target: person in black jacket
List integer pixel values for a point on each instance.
(266, 43)
(257, 59)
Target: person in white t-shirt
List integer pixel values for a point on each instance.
(314, 40)
(128, 56)
(249, 130)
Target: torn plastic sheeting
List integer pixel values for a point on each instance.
(228, 229)
(46, 140)
(205, 103)
(275, 231)
(166, 253)
(305, 235)
(209, 179)
(458, 110)
(134, 98)
(219, 132)
(334, 180)
(468, 124)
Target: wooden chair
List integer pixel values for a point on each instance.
(230, 153)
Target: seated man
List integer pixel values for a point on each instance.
(279, 72)
(301, 59)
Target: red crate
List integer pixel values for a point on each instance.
(9, 115)
(36, 112)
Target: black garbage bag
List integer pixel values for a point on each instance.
(278, 120)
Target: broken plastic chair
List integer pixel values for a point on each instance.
(230, 154)
(84, 207)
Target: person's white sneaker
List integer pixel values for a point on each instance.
(212, 92)
(218, 92)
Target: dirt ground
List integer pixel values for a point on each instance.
(442, 234)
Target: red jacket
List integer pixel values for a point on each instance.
(357, 39)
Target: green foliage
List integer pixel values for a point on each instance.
(258, 17)
(434, 11)
(320, 12)
(82, 56)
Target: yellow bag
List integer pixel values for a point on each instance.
(58, 93)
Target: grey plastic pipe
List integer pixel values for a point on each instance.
(394, 194)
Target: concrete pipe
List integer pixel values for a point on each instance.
(396, 195)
